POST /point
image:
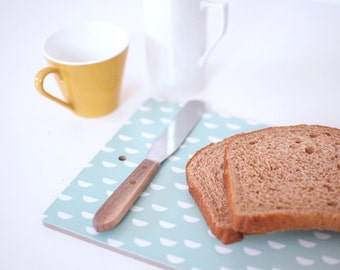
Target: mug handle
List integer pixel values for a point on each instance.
(39, 85)
(223, 7)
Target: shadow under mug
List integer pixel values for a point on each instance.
(88, 63)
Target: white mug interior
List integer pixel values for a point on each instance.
(86, 44)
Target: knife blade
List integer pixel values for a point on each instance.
(118, 204)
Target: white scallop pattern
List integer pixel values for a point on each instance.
(330, 260)
(251, 251)
(276, 245)
(64, 215)
(175, 259)
(165, 120)
(108, 164)
(166, 109)
(157, 187)
(165, 225)
(108, 149)
(89, 199)
(192, 244)
(174, 158)
(214, 139)
(109, 181)
(304, 261)
(142, 243)
(190, 219)
(233, 126)
(64, 197)
(185, 205)
(180, 186)
(177, 170)
(84, 184)
(91, 230)
(125, 138)
(147, 135)
(139, 222)
(210, 125)
(136, 208)
(167, 242)
(88, 165)
(114, 243)
(249, 267)
(146, 121)
(223, 249)
(87, 215)
(192, 140)
(159, 208)
(109, 193)
(322, 236)
(307, 244)
(145, 194)
(129, 150)
(130, 164)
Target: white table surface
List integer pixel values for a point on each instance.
(278, 64)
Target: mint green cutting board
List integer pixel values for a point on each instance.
(165, 227)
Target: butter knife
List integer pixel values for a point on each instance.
(118, 204)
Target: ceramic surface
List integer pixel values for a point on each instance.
(88, 63)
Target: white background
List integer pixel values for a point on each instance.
(278, 64)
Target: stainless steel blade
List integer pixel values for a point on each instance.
(177, 131)
(118, 204)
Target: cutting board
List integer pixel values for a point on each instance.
(165, 227)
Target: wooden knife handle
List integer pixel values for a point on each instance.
(118, 204)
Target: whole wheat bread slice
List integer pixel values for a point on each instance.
(282, 178)
(204, 173)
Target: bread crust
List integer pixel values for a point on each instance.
(304, 212)
(210, 196)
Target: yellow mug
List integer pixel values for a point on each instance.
(88, 63)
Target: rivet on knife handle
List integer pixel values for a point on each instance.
(119, 203)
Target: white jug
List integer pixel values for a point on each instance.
(176, 38)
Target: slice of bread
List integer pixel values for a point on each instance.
(280, 178)
(204, 173)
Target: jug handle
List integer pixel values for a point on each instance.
(223, 7)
